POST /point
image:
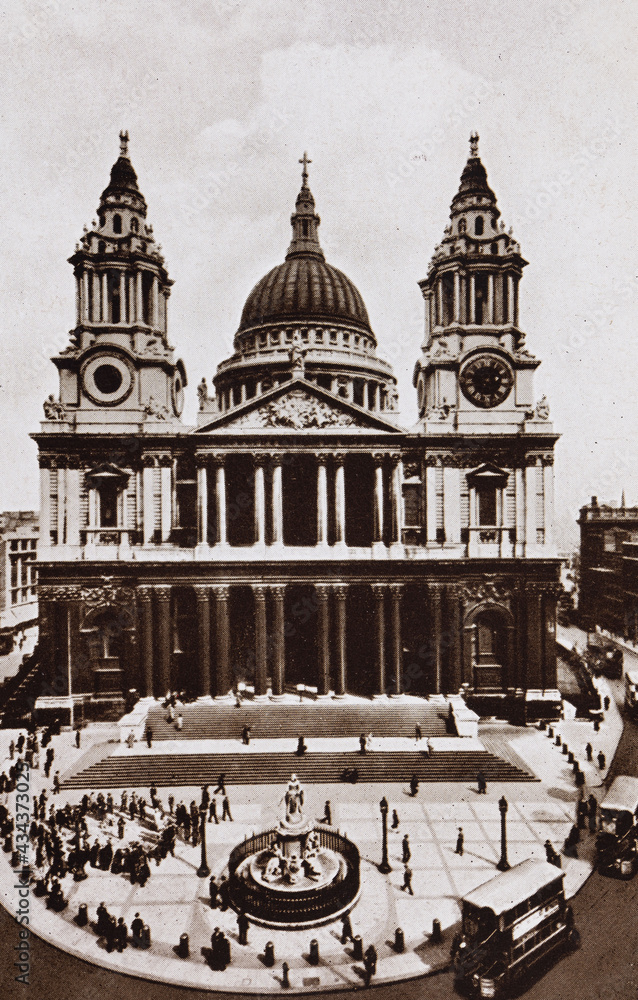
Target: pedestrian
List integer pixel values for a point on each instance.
(213, 889)
(589, 751)
(460, 839)
(552, 857)
(395, 820)
(607, 702)
(224, 895)
(327, 813)
(581, 811)
(171, 803)
(346, 929)
(56, 783)
(122, 934)
(417, 732)
(220, 785)
(180, 722)
(481, 781)
(12, 750)
(370, 963)
(362, 743)
(245, 735)
(77, 738)
(149, 737)
(405, 847)
(407, 880)
(137, 931)
(601, 760)
(592, 810)
(414, 786)
(120, 827)
(212, 810)
(242, 927)
(301, 746)
(226, 809)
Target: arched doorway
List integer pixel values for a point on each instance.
(489, 633)
(105, 640)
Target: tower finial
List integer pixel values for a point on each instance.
(304, 172)
(474, 141)
(123, 143)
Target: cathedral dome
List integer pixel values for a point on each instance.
(307, 289)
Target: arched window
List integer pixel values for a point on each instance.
(462, 225)
(478, 225)
(304, 227)
(117, 223)
(134, 225)
(101, 247)
(494, 248)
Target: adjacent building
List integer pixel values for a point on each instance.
(608, 594)
(18, 594)
(298, 535)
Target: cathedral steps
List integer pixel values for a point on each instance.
(327, 720)
(269, 768)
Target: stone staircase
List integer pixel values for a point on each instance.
(317, 719)
(270, 768)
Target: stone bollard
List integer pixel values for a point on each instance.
(565, 749)
(8, 843)
(596, 725)
(146, 936)
(557, 741)
(15, 859)
(82, 918)
(269, 954)
(602, 760)
(437, 937)
(313, 956)
(357, 952)
(285, 979)
(183, 949)
(399, 940)
(550, 732)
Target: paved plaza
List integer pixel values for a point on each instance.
(175, 901)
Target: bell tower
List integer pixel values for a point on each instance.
(474, 374)
(119, 368)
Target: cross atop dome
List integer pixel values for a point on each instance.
(474, 141)
(304, 173)
(123, 143)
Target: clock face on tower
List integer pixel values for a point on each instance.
(486, 381)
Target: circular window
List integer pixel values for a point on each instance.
(108, 379)
(177, 392)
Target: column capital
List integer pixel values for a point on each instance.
(162, 593)
(379, 590)
(221, 591)
(145, 594)
(261, 458)
(259, 591)
(379, 457)
(202, 591)
(396, 589)
(322, 591)
(339, 457)
(340, 590)
(323, 457)
(278, 591)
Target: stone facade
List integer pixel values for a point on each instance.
(18, 592)
(298, 534)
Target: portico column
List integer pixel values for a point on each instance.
(72, 504)
(277, 503)
(378, 591)
(322, 501)
(510, 298)
(435, 596)
(95, 314)
(340, 501)
(260, 502)
(472, 316)
(279, 642)
(45, 504)
(78, 299)
(163, 597)
(397, 500)
(430, 504)
(202, 594)
(139, 301)
(105, 297)
(323, 639)
(145, 601)
(341, 593)
(397, 646)
(534, 601)
(220, 501)
(454, 625)
(202, 505)
(490, 298)
(378, 499)
(155, 317)
(148, 501)
(261, 679)
(85, 297)
(166, 495)
(222, 676)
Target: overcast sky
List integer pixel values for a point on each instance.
(221, 99)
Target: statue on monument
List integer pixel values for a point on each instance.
(294, 801)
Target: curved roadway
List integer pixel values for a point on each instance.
(605, 968)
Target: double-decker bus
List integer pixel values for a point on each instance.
(616, 852)
(631, 690)
(510, 925)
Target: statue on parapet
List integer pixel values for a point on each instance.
(53, 410)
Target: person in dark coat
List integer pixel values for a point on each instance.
(56, 783)
(407, 880)
(245, 736)
(327, 813)
(589, 752)
(221, 787)
(481, 781)
(223, 894)
(110, 933)
(213, 889)
(101, 924)
(106, 856)
(226, 809)
(460, 840)
(592, 810)
(149, 737)
(121, 935)
(78, 738)
(414, 785)
(301, 746)
(212, 810)
(405, 847)
(395, 820)
(242, 927)
(137, 931)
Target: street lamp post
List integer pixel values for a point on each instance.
(385, 866)
(203, 871)
(503, 864)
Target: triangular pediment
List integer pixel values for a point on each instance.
(487, 473)
(297, 405)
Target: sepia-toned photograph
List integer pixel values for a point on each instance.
(318, 500)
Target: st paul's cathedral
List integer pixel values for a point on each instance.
(298, 535)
